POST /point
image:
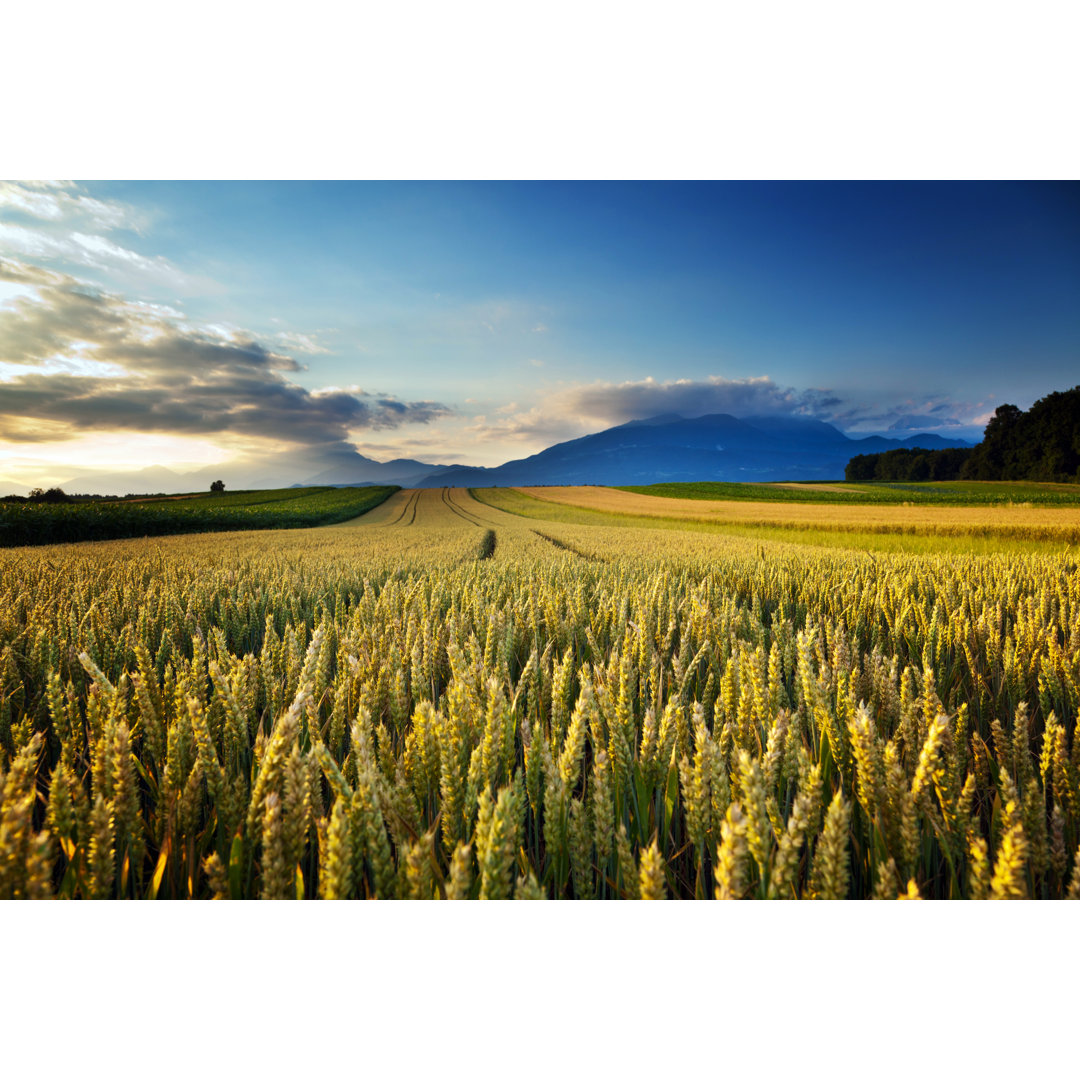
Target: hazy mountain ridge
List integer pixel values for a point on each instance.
(276, 471)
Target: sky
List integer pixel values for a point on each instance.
(192, 324)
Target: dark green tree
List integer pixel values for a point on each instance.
(1042, 444)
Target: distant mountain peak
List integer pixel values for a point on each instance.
(654, 421)
(805, 427)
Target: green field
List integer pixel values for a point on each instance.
(946, 493)
(282, 508)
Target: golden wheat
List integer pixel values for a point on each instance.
(404, 708)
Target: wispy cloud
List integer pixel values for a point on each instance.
(531, 429)
(63, 201)
(636, 399)
(87, 250)
(915, 415)
(56, 222)
(302, 343)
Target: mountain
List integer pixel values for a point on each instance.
(875, 444)
(798, 428)
(339, 466)
(364, 471)
(296, 468)
(671, 448)
(148, 481)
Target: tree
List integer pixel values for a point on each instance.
(1042, 444)
(218, 485)
(994, 455)
(53, 495)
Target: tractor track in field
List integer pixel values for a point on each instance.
(562, 545)
(486, 548)
(463, 514)
(410, 504)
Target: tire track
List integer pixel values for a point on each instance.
(410, 503)
(562, 545)
(486, 548)
(465, 516)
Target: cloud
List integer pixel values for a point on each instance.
(61, 201)
(616, 403)
(87, 250)
(962, 418)
(537, 427)
(924, 421)
(574, 411)
(302, 343)
(56, 222)
(76, 359)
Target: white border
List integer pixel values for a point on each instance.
(528, 90)
(763, 989)
(584, 89)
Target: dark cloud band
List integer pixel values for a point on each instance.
(172, 378)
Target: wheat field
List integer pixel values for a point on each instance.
(444, 700)
(1019, 521)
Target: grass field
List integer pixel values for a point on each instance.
(443, 699)
(946, 493)
(284, 508)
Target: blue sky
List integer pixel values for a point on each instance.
(482, 322)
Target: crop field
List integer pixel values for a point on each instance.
(1053, 523)
(284, 508)
(446, 699)
(929, 493)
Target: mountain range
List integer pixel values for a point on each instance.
(289, 469)
(653, 450)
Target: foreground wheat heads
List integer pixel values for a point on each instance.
(445, 702)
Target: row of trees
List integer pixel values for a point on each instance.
(40, 495)
(908, 465)
(1041, 444)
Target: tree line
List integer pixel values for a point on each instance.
(1040, 444)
